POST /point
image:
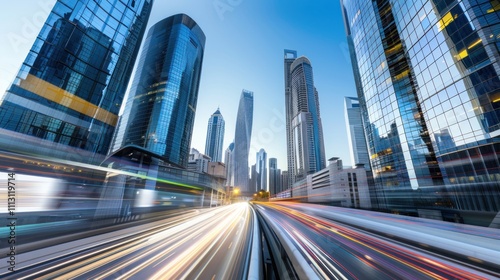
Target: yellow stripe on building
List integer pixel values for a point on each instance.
(56, 94)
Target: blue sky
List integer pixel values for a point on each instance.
(244, 50)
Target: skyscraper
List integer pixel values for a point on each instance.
(228, 160)
(428, 83)
(274, 177)
(261, 166)
(305, 146)
(159, 114)
(64, 102)
(253, 180)
(355, 132)
(290, 57)
(243, 134)
(215, 136)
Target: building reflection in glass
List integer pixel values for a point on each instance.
(68, 92)
(427, 78)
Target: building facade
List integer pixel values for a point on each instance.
(215, 136)
(427, 74)
(198, 162)
(242, 137)
(334, 185)
(304, 129)
(159, 114)
(217, 169)
(261, 166)
(355, 132)
(64, 102)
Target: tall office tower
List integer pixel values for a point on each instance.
(261, 165)
(428, 83)
(64, 102)
(159, 114)
(215, 136)
(355, 132)
(243, 134)
(274, 177)
(305, 147)
(228, 160)
(289, 58)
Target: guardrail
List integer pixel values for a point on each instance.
(284, 260)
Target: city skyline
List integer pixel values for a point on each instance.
(389, 141)
(326, 46)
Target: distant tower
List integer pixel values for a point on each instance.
(229, 161)
(356, 133)
(65, 99)
(274, 176)
(305, 147)
(243, 134)
(261, 166)
(215, 136)
(159, 115)
(254, 179)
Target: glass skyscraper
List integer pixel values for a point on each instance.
(242, 137)
(159, 114)
(215, 136)
(305, 146)
(427, 74)
(261, 168)
(64, 102)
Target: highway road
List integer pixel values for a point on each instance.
(210, 244)
(336, 251)
(221, 243)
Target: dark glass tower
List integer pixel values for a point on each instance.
(428, 80)
(66, 97)
(215, 136)
(243, 134)
(160, 111)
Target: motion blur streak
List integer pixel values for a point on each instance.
(337, 251)
(191, 249)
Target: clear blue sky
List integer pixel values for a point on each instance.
(244, 49)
